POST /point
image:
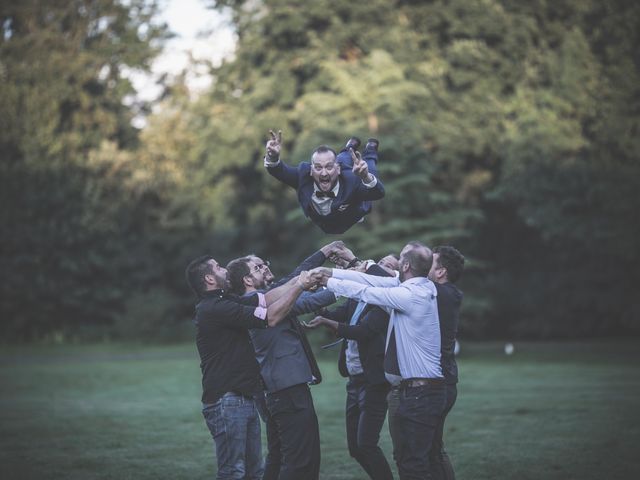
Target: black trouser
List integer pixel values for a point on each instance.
(366, 410)
(274, 456)
(414, 413)
(296, 425)
(441, 468)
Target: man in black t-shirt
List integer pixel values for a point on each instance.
(230, 373)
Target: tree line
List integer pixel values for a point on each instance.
(509, 129)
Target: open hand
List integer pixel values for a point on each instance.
(315, 323)
(332, 248)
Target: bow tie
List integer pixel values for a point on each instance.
(328, 194)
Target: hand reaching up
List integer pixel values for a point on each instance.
(274, 145)
(360, 167)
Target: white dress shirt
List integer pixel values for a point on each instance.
(413, 313)
(323, 205)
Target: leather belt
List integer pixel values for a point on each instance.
(420, 382)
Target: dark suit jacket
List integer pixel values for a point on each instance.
(283, 351)
(352, 203)
(449, 302)
(369, 332)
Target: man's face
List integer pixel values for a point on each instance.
(219, 274)
(437, 272)
(259, 273)
(389, 264)
(325, 170)
(403, 263)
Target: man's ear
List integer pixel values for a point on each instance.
(442, 274)
(247, 281)
(209, 279)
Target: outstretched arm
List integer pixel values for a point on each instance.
(280, 300)
(389, 298)
(313, 261)
(322, 275)
(312, 302)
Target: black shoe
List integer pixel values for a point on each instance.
(372, 144)
(353, 142)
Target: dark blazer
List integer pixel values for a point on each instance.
(352, 203)
(370, 332)
(449, 302)
(283, 351)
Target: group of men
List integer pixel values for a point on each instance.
(398, 327)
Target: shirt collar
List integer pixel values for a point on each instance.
(218, 292)
(423, 281)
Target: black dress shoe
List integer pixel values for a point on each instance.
(372, 144)
(353, 142)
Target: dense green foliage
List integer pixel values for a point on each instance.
(550, 411)
(509, 129)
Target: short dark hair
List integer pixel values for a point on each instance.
(323, 149)
(452, 260)
(236, 271)
(420, 259)
(195, 272)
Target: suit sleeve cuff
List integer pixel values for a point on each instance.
(372, 183)
(269, 164)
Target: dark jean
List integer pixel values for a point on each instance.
(365, 414)
(414, 414)
(235, 427)
(441, 468)
(296, 423)
(273, 460)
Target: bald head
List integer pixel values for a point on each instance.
(415, 260)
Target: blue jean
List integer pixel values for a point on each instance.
(235, 427)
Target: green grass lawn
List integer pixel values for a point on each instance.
(550, 411)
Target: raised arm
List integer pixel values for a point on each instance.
(274, 165)
(315, 260)
(396, 298)
(281, 300)
(370, 187)
(313, 301)
(323, 274)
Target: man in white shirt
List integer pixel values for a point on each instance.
(412, 355)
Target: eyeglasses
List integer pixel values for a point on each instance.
(262, 266)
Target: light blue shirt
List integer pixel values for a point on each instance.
(413, 310)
